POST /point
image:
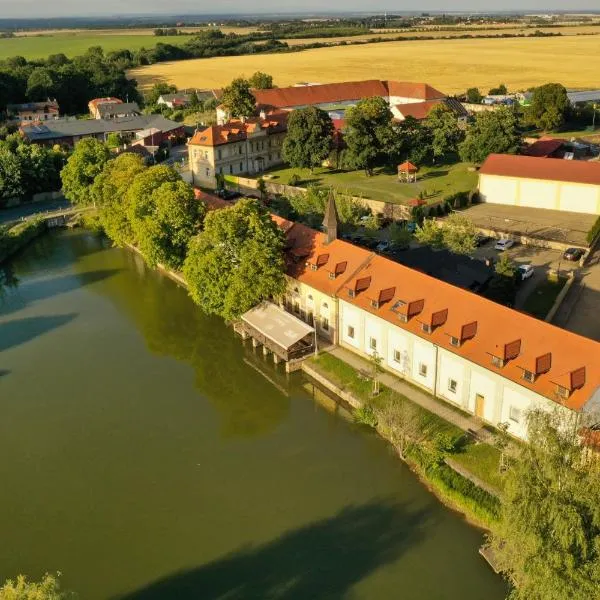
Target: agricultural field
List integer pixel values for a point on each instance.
(450, 65)
(74, 43)
(433, 182)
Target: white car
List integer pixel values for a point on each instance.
(503, 245)
(526, 271)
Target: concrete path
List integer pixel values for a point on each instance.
(423, 399)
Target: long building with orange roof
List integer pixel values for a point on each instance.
(484, 358)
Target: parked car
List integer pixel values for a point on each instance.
(573, 254)
(411, 227)
(525, 271)
(503, 245)
(482, 240)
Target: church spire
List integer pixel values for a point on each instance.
(330, 221)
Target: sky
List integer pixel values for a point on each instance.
(76, 8)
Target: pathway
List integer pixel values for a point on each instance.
(463, 421)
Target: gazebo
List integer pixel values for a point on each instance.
(407, 172)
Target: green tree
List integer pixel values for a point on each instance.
(502, 287)
(548, 539)
(474, 95)
(164, 215)
(494, 132)
(261, 81)
(11, 184)
(40, 84)
(549, 107)
(399, 235)
(114, 140)
(237, 261)
(109, 194)
(238, 100)
(445, 132)
(501, 90)
(84, 165)
(21, 589)
(414, 141)
(369, 135)
(158, 90)
(309, 138)
(459, 234)
(430, 234)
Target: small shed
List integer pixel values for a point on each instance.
(278, 331)
(407, 172)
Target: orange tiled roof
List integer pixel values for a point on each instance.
(417, 110)
(212, 202)
(341, 92)
(96, 101)
(573, 360)
(530, 167)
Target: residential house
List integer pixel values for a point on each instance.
(33, 111)
(176, 100)
(236, 148)
(421, 110)
(566, 185)
(118, 110)
(94, 105)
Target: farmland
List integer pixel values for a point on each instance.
(451, 65)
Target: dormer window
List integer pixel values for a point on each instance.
(529, 376)
(454, 341)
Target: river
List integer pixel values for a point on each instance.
(146, 453)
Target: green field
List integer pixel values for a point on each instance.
(76, 43)
(434, 182)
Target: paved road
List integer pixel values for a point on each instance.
(8, 215)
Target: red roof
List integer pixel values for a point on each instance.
(212, 202)
(417, 110)
(329, 93)
(530, 167)
(408, 166)
(543, 147)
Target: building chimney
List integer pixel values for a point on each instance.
(330, 222)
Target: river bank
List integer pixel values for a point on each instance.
(18, 236)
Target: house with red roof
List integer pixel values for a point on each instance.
(538, 182)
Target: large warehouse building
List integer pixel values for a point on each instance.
(565, 185)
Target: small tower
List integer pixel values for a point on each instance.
(330, 221)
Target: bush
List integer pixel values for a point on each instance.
(13, 239)
(594, 232)
(457, 200)
(365, 415)
(294, 179)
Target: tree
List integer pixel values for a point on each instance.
(414, 142)
(429, 233)
(403, 424)
(459, 234)
(474, 95)
(377, 369)
(495, 132)
(164, 215)
(503, 287)
(549, 106)
(370, 134)
(40, 84)
(109, 194)
(84, 165)
(399, 235)
(114, 140)
(309, 138)
(445, 132)
(237, 261)
(237, 98)
(548, 539)
(21, 589)
(158, 90)
(261, 81)
(501, 90)
(11, 184)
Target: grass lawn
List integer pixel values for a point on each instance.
(540, 300)
(76, 43)
(435, 182)
(483, 461)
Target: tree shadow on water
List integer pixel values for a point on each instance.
(19, 331)
(321, 560)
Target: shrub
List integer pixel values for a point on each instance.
(594, 232)
(457, 200)
(365, 415)
(294, 179)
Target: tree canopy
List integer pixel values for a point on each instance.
(549, 106)
(474, 95)
(22, 589)
(309, 138)
(495, 132)
(261, 81)
(445, 131)
(84, 165)
(237, 98)
(459, 234)
(236, 261)
(369, 135)
(548, 539)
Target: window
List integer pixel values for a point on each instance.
(239, 150)
(426, 328)
(303, 315)
(324, 323)
(351, 293)
(296, 306)
(374, 304)
(208, 172)
(373, 343)
(220, 154)
(220, 170)
(231, 169)
(241, 167)
(563, 392)
(452, 385)
(529, 376)
(514, 414)
(350, 332)
(397, 356)
(497, 361)
(454, 341)
(310, 299)
(422, 369)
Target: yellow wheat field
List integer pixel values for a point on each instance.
(451, 65)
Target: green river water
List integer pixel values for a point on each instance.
(146, 453)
